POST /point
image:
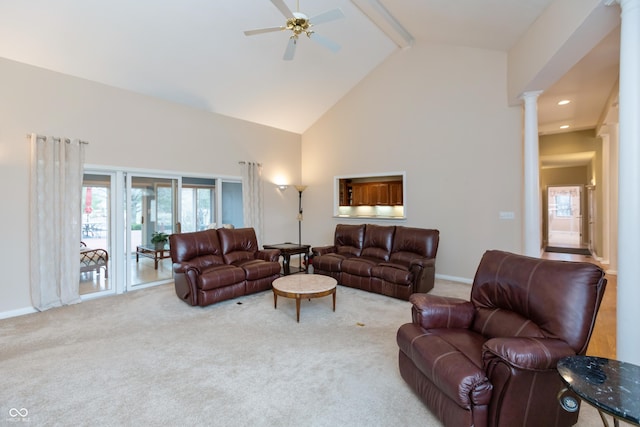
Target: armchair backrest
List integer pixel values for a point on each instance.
(238, 244)
(349, 239)
(378, 240)
(410, 243)
(202, 246)
(515, 295)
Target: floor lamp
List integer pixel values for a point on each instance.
(300, 189)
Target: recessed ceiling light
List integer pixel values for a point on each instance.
(564, 127)
(564, 102)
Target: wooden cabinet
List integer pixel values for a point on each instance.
(360, 194)
(395, 193)
(372, 194)
(379, 194)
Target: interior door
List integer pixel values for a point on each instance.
(152, 207)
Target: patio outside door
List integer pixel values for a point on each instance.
(151, 207)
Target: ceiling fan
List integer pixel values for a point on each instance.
(298, 23)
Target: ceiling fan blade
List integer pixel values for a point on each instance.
(330, 15)
(329, 44)
(263, 30)
(290, 51)
(283, 8)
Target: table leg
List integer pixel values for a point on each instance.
(275, 300)
(155, 260)
(334, 300)
(286, 260)
(298, 308)
(306, 262)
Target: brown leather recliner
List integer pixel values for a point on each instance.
(492, 361)
(216, 265)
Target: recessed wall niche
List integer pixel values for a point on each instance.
(379, 196)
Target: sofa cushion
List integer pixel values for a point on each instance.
(238, 244)
(411, 242)
(259, 269)
(504, 294)
(188, 246)
(358, 266)
(329, 262)
(377, 242)
(349, 239)
(393, 273)
(220, 276)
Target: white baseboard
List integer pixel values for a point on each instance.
(16, 313)
(454, 278)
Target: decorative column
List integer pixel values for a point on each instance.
(532, 210)
(628, 317)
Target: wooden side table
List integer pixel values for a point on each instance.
(288, 249)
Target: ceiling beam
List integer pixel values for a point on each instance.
(379, 15)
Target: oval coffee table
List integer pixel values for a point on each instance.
(304, 286)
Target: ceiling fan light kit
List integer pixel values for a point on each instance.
(298, 23)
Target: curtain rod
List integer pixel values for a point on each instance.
(244, 163)
(67, 140)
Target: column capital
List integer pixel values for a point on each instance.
(611, 2)
(530, 95)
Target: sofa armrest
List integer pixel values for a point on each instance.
(183, 267)
(323, 250)
(434, 312)
(423, 262)
(528, 353)
(268, 255)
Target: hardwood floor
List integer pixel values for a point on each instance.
(141, 272)
(603, 339)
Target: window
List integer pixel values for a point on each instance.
(232, 204)
(198, 204)
(563, 205)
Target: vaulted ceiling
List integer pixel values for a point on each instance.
(195, 52)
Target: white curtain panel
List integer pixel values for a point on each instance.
(252, 197)
(55, 221)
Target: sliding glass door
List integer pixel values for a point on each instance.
(121, 212)
(96, 248)
(152, 208)
(197, 204)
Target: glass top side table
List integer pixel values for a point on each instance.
(611, 386)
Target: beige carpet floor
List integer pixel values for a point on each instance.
(147, 358)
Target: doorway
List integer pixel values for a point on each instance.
(564, 220)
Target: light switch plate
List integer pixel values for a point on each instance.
(507, 215)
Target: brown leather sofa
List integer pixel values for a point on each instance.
(215, 265)
(492, 361)
(391, 260)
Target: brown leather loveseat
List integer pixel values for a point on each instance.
(215, 265)
(395, 261)
(492, 361)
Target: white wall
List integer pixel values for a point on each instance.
(439, 113)
(127, 130)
